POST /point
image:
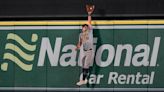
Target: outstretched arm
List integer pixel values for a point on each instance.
(90, 10)
(89, 21)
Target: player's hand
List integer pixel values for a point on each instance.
(77, 47)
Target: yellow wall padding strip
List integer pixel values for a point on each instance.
(95, 22)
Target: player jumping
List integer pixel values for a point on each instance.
(86, 43)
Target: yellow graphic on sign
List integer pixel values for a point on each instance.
(20, 52)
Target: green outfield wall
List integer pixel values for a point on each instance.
(43, 57)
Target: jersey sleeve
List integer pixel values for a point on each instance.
(90, 27)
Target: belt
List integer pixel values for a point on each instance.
(88, 50)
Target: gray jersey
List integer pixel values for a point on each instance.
(86, 55)
(87, 39)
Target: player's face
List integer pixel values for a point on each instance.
(84, 28)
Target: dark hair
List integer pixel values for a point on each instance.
(85, 25)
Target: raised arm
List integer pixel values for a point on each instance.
(90, 9)
(89, 20)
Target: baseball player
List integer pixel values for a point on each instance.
(86, 43)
